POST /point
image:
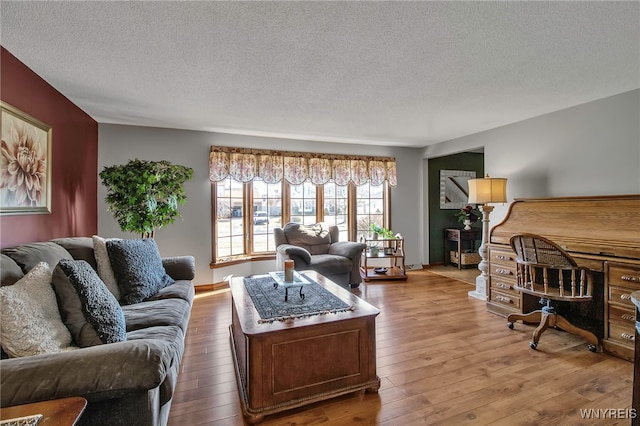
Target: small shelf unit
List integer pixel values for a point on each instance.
(390, 251)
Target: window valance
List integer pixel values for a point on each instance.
(245, 164)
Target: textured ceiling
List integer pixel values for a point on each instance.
(390, 73)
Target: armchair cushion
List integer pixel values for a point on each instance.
(330, 264)
(315, 239)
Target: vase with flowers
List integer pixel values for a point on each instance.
(467, 216)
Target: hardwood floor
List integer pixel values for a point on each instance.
(442, 360)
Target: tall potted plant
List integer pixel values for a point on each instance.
(144, 195)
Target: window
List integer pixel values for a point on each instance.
(351, 208)
(255, 191)
(228, 223)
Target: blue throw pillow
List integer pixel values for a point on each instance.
(138, 269)
(88, 309)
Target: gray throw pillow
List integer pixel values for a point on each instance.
(89, 310)
(138, 268)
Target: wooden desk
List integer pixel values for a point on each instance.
(460, 236)
(287, 364)
(600, 233)
(57, 412)
(635, 404)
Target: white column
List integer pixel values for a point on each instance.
(482, 280)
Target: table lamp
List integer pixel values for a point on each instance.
(484, 191)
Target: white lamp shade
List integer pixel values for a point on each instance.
(487, 190)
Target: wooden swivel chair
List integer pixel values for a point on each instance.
(547, 271)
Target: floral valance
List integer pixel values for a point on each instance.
(244, 164)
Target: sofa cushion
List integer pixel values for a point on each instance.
(10, 272)
(169, 364)
(314, 238)
(181, 289)
(88, 309)
(31, 322)
(166, 312)
(80, 248)
(138, 268)
(105, 271)
(29, 255)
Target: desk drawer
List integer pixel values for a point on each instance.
(622, 334)
(511, 300)
(507, 272)
(502, 256)
(503, 284)
(622, 315)
(625, 276)
(622, 296)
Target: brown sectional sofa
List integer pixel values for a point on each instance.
(125, 383)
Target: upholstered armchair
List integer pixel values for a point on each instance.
(316, 247)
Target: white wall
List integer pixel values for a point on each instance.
(590, 149)
(192, 234)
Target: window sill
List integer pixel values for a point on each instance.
(239, 260)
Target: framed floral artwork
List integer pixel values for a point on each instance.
(25, 163)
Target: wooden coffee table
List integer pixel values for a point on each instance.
(56, 412)
(287, 364)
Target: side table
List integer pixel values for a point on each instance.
(56, 412)
(460, 236)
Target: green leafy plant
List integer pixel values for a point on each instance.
(376, 229)
(144, 195)
(387, 233)
(383, 232)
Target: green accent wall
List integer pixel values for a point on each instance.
(439, 220)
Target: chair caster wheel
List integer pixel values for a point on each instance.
(593, 348)
(510, 325)
(533, 345)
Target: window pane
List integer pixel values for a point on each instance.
(267, 214)
(369, 208)
(237, 245)
(335, 208)
(303, 203)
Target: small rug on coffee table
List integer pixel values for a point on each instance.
(270, 304)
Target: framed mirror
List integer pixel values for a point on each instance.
(454, 189)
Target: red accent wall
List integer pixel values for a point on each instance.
(74, 153)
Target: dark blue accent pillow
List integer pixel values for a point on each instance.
(89, 310)
(138, 269)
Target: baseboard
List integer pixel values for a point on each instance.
(202, 288)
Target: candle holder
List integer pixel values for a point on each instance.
(288, 271)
